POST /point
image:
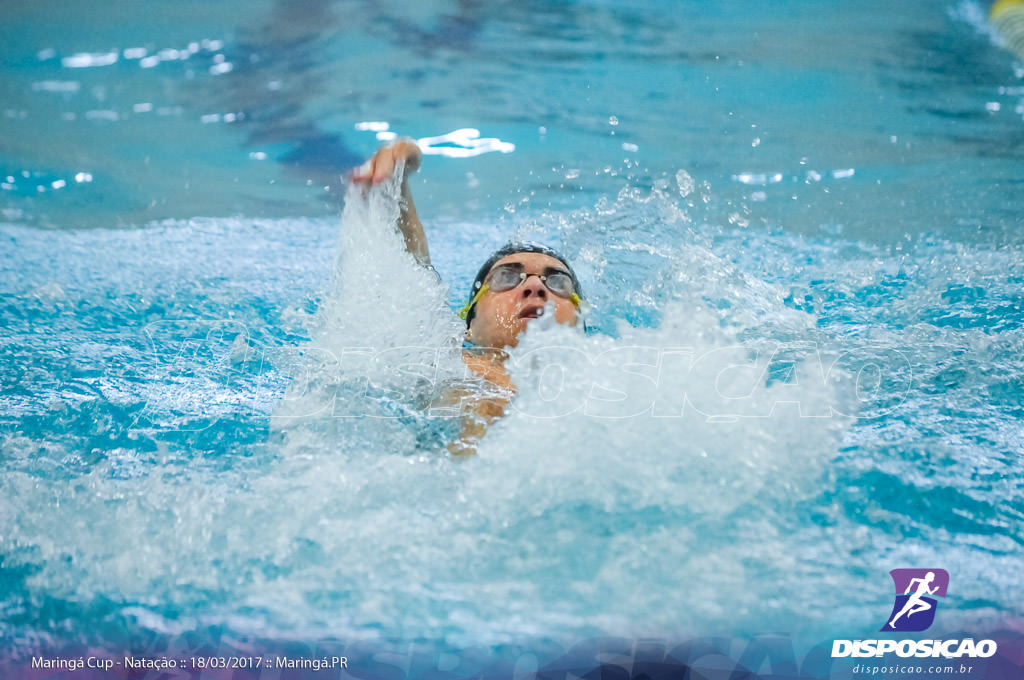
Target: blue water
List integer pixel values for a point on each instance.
(798, 225)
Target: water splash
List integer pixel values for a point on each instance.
(692, 471)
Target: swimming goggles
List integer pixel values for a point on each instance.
(505, 277)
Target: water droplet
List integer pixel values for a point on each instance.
(685, 182)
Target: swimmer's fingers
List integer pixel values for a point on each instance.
(411, 153)
(403, 151)
(382, 166)
(375, 170)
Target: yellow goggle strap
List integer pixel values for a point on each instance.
(464, 312)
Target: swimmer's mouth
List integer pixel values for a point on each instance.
(531, 313)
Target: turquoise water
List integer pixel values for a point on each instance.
(798, 225)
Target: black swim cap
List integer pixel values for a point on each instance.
(512, 248)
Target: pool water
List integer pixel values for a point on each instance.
(798, 227)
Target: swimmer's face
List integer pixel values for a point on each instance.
(500, 317)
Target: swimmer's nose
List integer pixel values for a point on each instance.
(534, 287)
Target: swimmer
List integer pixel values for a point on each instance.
(914, 603)
(514, 286)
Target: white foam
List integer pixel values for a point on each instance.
(645, 480)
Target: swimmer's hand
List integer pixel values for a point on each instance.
(382, 166)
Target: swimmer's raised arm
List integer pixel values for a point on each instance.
(405, 154)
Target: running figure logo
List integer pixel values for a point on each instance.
(914, 609)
